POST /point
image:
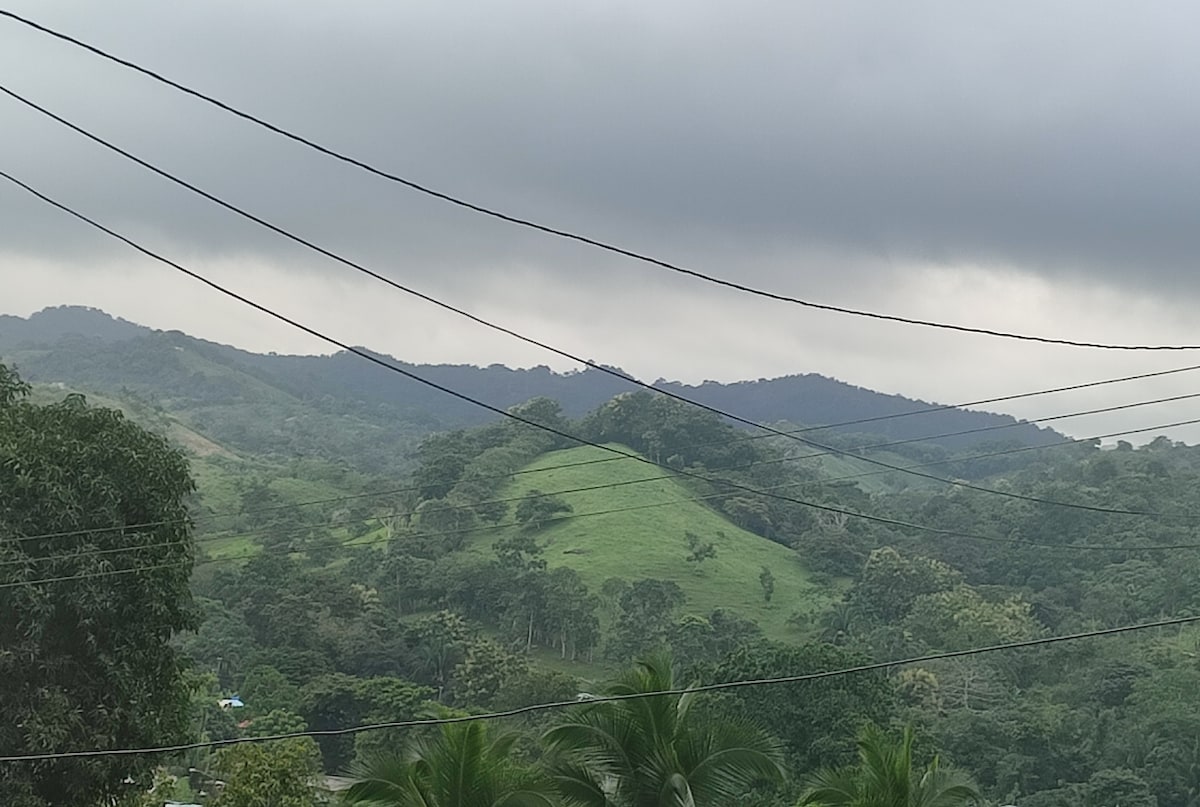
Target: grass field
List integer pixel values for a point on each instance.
(650, 541)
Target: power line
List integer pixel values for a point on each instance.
(565, 234)
(873, 446)
(1002, 426)
(90, 575)
(207, 539)
(601, 699)
(1000, 399)
(261, 533)
(629, 508)
(459, 395)
(508, 331)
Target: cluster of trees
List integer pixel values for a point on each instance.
(83, 657)
(118, 642)
(640, 748)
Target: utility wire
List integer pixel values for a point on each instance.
(610, 459)
(602, 699)
(508, 331)
(565, 234)
(381, 517)
(873, 446)
(355, 543)
(454, 393)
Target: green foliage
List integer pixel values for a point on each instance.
(767, 580)
(336, 700)
(486, 668)
(12, 387)
(534, 685)
(699, 551)
(480, 615)
(892, 582)
(695, 640)
(598, 548)
(86, 661)
(461, 765)
(657, 750)
(959, 618)
(647, 612)
(885, 774)
(816, 719)
(275, 722)
(265, 689)
(537, 508)
(519, 553)
(273, 774)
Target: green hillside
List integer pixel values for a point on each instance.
(650, 541)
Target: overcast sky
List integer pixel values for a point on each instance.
(1029, 167)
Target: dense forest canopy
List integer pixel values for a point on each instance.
(387, 569)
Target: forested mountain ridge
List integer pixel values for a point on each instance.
(88, 349)
(508, 566)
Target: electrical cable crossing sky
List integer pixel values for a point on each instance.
(872, 577)
(541, 344)
(616, 451)
(582, 239)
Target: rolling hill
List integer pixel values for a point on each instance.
(343, 409)
(640, 532)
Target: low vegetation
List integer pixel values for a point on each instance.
(507, 567)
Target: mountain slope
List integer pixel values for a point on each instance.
(86, 348)
(647, 539)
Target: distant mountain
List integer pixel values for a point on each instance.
(52, 325)
(242, 398)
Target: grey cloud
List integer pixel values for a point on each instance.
(1056, 137)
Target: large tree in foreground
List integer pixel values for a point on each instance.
(884, 777)
(655, 751)
(95, 555)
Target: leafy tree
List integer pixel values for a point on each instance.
(537, 508)
(839, 622)
(656, 750)
(439, 642)
(891, 582)
(445, 523)
(462, 765)
(272, 774)
(749, 513)
(443, 459)
(816, 719)
(85, 653)
(335, 701)
(223, 643)
(767, 581)
(570, 617)
(1119, 786)
(486, 667)
(403, 577)
(647, 612)
(885, 776)
(266, 689)
(695, 639)
(532, 685)
(520, 553)
(959, 617)
(699, 551)
(276, 721)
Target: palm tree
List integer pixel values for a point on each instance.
(461, 766)
(884, 777)
(654, 752)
